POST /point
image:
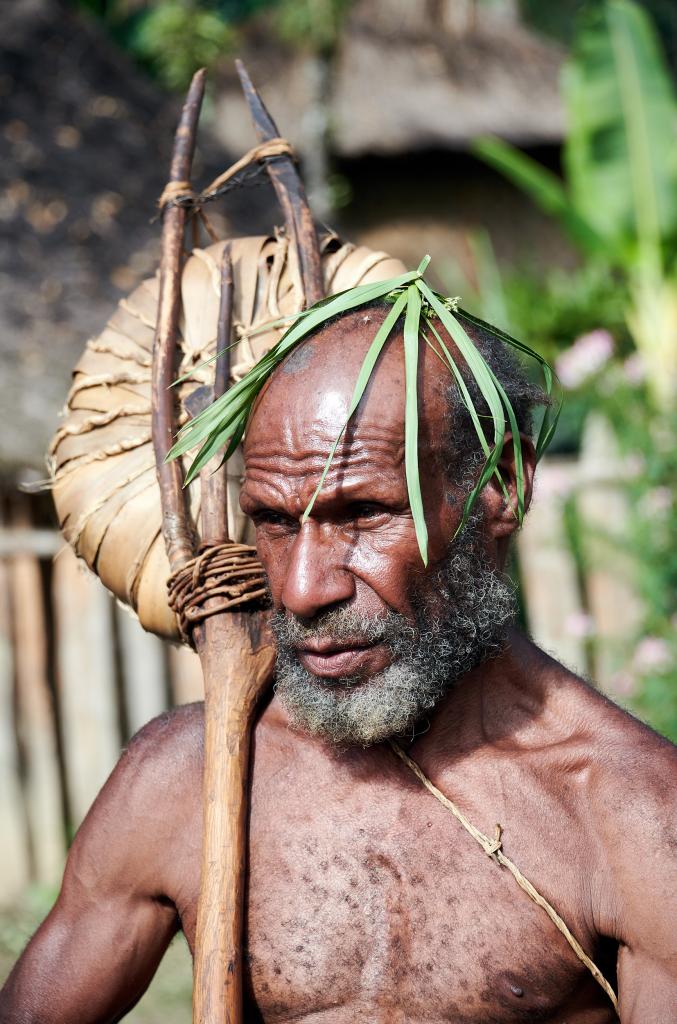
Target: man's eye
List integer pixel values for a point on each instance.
(268, 517)
(367, 510)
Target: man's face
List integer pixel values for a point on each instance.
(368, 638)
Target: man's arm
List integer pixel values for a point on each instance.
(637, 825)
(95, 954)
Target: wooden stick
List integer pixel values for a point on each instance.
(214, 504)
(14, 862)
(175, 527)
(237, 658)
(290, 193)
(235, 650)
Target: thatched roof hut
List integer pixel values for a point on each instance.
(442, 80)
(411, 75)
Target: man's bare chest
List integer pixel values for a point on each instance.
(365, 907)
(362, 906)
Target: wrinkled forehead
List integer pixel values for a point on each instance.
(306, 402)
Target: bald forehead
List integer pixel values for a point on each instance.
(341, 343)
(315, 384)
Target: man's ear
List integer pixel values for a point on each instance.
(501, 512)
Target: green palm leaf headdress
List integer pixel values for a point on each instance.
(222, 424)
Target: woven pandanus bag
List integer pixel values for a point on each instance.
(101, 458)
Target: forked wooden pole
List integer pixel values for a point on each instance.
(237, 657)
(235, 651)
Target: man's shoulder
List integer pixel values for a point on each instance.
(170, 738)
(139, 826)
(631, 769)
(614, 733)
(159, 769)
(629, 800)
(617, 736)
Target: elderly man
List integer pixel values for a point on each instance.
(367, 900)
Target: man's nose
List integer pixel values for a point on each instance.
(316, 574)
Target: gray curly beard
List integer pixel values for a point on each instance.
(461, 617)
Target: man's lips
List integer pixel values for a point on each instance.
(333, 659)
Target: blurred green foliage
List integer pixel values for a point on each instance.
(177, 37)
(173, 38)
(561, 19)
(314, 23)
(618, 203)
(311, 24)
(17, 925)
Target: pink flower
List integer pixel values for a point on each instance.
(652, 654)
(623, 684)
(587, 356)
(634, 369)
(579, 625)
(656, 503)
(635, 465)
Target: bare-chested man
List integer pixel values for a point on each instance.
(367, 900)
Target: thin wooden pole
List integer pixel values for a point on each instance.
(175, 527)
(290, 193)
(37, 725)
(85, 674)
(237, 658)
(213, 490)
(14, 862)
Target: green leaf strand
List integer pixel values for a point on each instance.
(412, 327)
(364, 375)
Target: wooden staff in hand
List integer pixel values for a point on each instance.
(235, 648)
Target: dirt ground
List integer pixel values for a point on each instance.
(167, 1001)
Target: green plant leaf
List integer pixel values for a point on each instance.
(211, 447)
(217, 416)
(517, 450)
(620, 154)
(339, 304)
(552, 413)
(463, 388)
(237, 401)
(544, 187)
(206, 362)
(484, 379)
(472, 356)
(412, 328)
